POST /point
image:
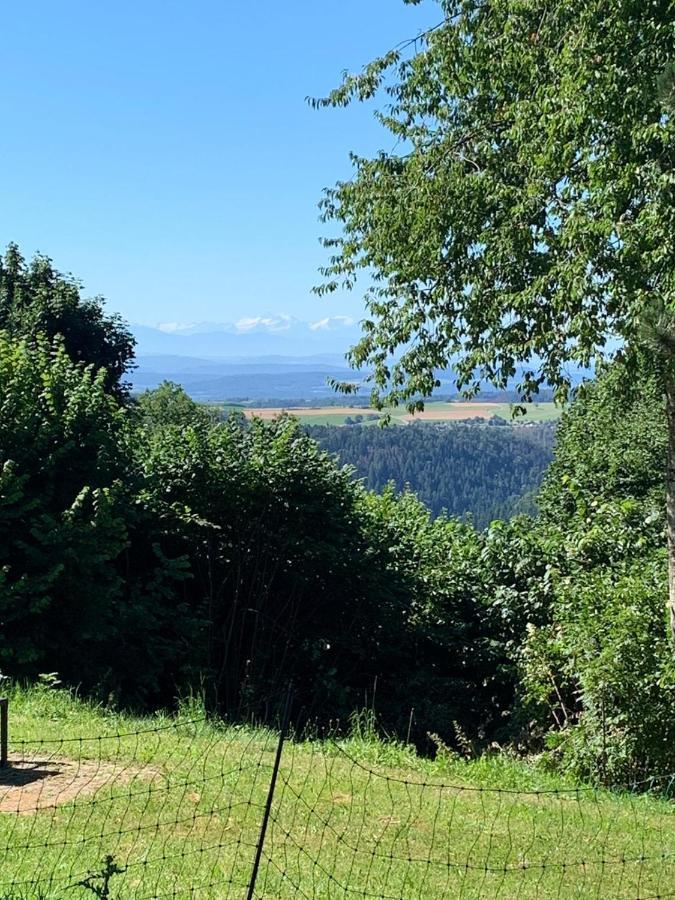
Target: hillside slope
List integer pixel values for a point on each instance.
(481, 471)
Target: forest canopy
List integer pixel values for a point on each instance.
(478, 471)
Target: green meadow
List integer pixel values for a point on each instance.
(175, 805)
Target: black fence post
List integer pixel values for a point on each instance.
(4, 715)
(270, 795)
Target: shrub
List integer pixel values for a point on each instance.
(603, 674)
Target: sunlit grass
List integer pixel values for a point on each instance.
(181, 800)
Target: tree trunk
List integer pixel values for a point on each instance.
(670, 502)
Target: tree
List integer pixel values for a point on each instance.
(86, 588)
(168, 404)
(60, 525)
(300, 573)
(610, 446)
(36, 299)
(597, 671)
(526, 217)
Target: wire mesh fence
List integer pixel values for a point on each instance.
(344, 828)
(176, 811)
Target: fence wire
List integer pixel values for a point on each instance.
(176, 811)
(160, 812)
(342, 828)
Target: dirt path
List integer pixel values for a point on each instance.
(31, 783)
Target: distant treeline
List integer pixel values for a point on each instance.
(469, 470)
(363, 401)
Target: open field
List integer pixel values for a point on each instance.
(434, 412)
(177, 804)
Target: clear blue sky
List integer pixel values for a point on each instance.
(164, 153)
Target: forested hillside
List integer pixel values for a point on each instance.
(479, 471)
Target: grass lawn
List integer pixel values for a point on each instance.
(177, 804)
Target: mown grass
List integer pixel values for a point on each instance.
(355, 816)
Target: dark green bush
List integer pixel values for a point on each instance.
(85, 588)
(599, 675)
(305, 575)
(603, 675)
(146, 549)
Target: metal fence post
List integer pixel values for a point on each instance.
(4, 711)
(270, 794)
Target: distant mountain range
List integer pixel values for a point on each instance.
(255, 379)
(263, 358)
(256, 359)
(259, 336)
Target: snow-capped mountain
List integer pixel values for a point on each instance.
(278, 335)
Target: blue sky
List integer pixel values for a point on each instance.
(164, 152)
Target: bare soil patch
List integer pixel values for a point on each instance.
(454, 412)
(32, 783)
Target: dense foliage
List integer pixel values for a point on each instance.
(84, 587)
(59, 527)
(302, 574)
(481, 471)
(613, 444)
(525, 213)
(599, 676)
(525, 210)
(148, 548)
(144, 550)
(35, 300)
